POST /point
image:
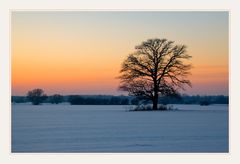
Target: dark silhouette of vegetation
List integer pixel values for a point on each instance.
(80, 100)
(56, 99)
(135, 101)
(204, 103)
(19, 99)
(113, 100)
(125, 101)
(170, 99)
(202, 100)
(36, 96)
(149, 108)
(155, 69)
(129, 100)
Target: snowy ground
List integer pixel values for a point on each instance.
(66, 128)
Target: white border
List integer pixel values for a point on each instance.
(232, 5)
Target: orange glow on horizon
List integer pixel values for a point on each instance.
(82, 53)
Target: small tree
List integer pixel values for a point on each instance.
(56, 99)
(36, 96)
(155, 69)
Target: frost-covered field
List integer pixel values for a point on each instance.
(66, 128)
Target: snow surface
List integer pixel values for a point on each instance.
(94, 128)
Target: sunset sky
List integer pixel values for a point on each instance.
(70, 52)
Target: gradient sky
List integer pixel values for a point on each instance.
(81, 52)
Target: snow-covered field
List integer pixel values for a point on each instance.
(92, 128)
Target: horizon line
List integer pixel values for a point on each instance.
(126, 95)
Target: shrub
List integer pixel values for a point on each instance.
(56, 99)
(149, 108)
(36, 96)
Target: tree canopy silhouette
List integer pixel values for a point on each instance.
(36, 96)
(155, 69)
(56, 99)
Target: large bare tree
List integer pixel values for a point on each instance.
(155, 69)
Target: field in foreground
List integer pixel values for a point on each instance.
(66, 128)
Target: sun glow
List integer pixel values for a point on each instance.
(82, 52)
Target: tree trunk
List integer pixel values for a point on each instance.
(155, 102)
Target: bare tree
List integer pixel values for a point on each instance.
(36, 96)
(56, 99)
(155, 68)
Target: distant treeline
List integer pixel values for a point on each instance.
(125, 100)
(81, 100)
(202, 100)
(98, 100)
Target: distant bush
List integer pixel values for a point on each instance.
(36, 96)
(56, 99)
(149, 108)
